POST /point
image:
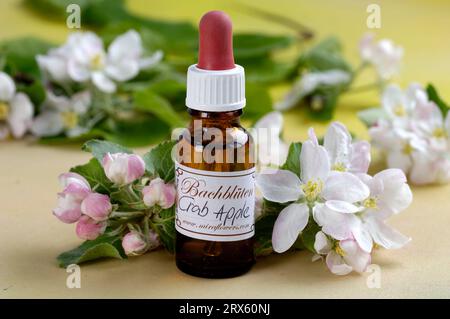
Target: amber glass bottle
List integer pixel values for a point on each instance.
(232, 153)
(214, 168)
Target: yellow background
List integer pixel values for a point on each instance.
(31, 237)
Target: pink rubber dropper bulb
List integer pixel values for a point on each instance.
(216, 42)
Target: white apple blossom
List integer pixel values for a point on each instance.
(384, 55)
(308, 83)
(83, 58)
(16, 109)
(61, 114)
(414, 135)
(342, 257)
(317, 184)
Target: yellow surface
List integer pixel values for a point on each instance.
(31, 237)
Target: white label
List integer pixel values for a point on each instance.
(215, 206)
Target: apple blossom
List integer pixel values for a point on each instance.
(16, 109)
(413, 134)
(384, 55)
(342, 257)
(308, 83)
(317, 183)
(123, 60)
(159, 193)
(62, 114)
(122, 168)
(89, 229)
(97, 206)
(389, 195)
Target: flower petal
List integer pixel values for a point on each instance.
(21, 115)
(385, 235)
(337, 142)
(355, 256)
(345, 187)
(48, 123)
(342, 207)
(321, 244)
(7, 87)
(314, 162)
(291, 221)
(337, 265)
(337, 225)
(360, 159)
(362, 237)
(103, 83)
(279, 186)
(148, 62)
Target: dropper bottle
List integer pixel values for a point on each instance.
(215, 168)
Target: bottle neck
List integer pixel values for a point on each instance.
(232, 118)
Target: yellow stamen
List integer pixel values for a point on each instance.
(407, 149)
(69, 119)
(371, 202)
(439, 132)
(97, 62)
(4, 111)
(375, 246)
(339, 167)
(339, 250)
(312, 190)
(399, 110)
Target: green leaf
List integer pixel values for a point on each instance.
(34, 90)
(263, 234)
(308, 236)
(325, 56)
(434, 96)
(149, 101)
(95, 175)
(99, 148)
(267, 70)
(371, 116)
(142, 130)
(159, 161)
(293, 159)
(259, 101)
(102, 247)
(322, 103)
(165, 227)
(248, 45)
(20, 55)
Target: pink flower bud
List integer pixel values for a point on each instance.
(68, 209)
(122, 168)
(97, 206)
(135, 244)
(75, 185)
(76, 188)
(159, 193)
(89, 229)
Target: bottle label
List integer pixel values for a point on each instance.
(215, 206)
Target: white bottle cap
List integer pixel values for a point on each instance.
(215, 90)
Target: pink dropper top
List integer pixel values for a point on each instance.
(216, 42)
